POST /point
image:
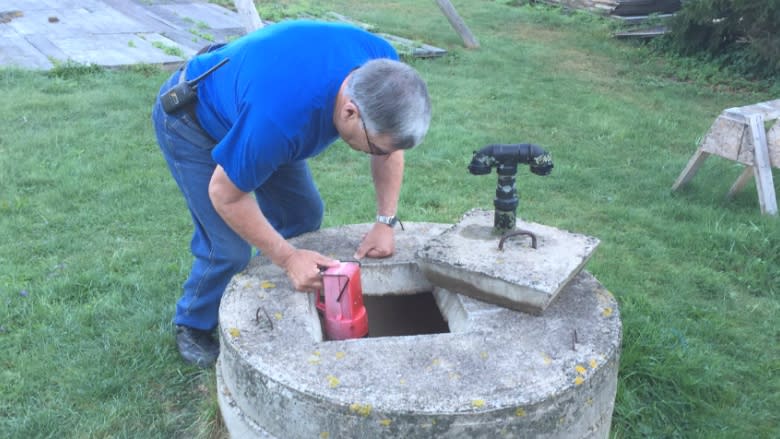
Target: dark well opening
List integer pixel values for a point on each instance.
(398, 315)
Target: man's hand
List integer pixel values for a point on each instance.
(378, 243)
(303, 269)
(240, 210)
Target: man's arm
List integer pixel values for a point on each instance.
(388, 173)
(241, 212)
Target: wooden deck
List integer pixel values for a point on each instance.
(35, 34)
(109, 33)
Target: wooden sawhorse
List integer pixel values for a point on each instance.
(739, 134)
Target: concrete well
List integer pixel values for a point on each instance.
(491, 372)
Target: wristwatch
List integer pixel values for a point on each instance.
(388, 220)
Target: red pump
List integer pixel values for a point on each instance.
(343, 311)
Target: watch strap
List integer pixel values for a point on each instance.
(390, 220)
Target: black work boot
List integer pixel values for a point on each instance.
(196, 347)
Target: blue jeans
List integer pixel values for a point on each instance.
(289, 200)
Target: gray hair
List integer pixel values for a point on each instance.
(392, 99)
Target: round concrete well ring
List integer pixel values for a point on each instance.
(497, 373)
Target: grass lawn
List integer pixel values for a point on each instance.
(94, 234)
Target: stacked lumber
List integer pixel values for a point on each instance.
(600, 6)
(622, 7)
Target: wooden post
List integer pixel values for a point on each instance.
(460, 26)
(248, 12)
(690, 170)
(763, 171)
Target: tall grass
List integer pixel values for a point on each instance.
(94, 232)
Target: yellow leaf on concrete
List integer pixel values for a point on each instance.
(333, 382)
(266, 284)
(385, 422)
(579, 380)
(606, 312)
(580, 370)
(593, 364)
(340, 355)
(519, 412)
(478, 403)
(278, 316)
(234, 332)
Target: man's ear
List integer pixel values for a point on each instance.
(348, 111)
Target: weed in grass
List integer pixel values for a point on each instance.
(71, 69)
(168, 50)
(282, 10)
(146, 69)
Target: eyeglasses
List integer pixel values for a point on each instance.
(372, 148)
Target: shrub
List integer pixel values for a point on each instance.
(740, 34)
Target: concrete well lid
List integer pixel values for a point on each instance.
(466, 259)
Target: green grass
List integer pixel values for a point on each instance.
(95, 234)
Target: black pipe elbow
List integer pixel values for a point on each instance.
(506, 157)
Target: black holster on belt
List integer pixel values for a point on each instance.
(183, 95)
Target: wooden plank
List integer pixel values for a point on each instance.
(405, 46)
(460, 26)
(16, 51)
(773, 144)
(154, 37)
(76, 21)
(7, 31)
(208, 14)
(186, 32)
(639, 19)
(600, 6)
(141, 14)
(725, 138)
(763, 172)
(653, 32)
(344, 19)
(414, 49)
(769, 110)
(115, 50)
(46, 47)
(249, 16)
(36, 5)
(690, 170)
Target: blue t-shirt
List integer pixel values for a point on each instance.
(272, 103)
